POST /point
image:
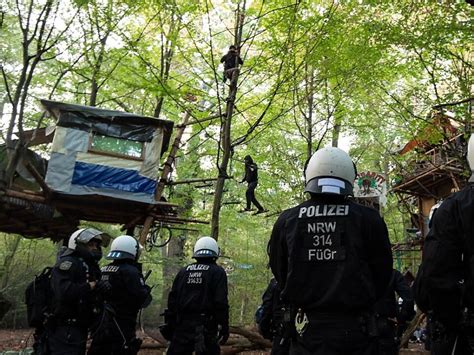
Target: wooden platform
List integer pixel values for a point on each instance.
(56, 216)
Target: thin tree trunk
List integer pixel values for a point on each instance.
(226, 135)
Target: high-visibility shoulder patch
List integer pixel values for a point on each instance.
(65, 265)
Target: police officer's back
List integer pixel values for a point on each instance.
(333, 260)
(444, 286)
(73, 283)
(198, 310)
(126, 293)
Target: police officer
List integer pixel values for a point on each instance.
(74, 281)
(198, 310)
(271, 319)
(332, 259)
(444, 286)
(125, 294)
(392, 318)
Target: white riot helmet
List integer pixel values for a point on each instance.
(206, 247)
(330, 170)
(470, 152)
(124, 247)
(85, 235)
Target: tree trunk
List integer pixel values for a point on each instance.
(12, 245)
(225, 146)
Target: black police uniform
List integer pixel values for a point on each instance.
(333, 260)
(251, 177)
(198, 303)
(126, 294)
(388, 311)
(75, 305)
(272, 319)
(444, 285)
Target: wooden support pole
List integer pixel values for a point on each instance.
(172, 219)
(37, 176)
(167, 169)
(192, 181)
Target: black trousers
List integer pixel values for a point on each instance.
(115, 338)
(185, 338)
(388, 344)
(445, 345)
(328, 337)
(67, 340)
(250, 195)
(278, 348)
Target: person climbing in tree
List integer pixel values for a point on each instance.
(251, 177)
(231, 60)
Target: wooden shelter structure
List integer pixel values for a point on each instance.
(437, 166)
(103, 167)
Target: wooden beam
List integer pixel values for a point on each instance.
(36, 136)
(39, 179)
(177, 219)
(25, 196)
(192, 181)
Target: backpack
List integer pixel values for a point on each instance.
(38, 295)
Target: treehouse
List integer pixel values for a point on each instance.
(103, 167)
(436, 168)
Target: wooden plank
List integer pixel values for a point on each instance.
(25, 196)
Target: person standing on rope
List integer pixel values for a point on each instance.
(332, 260)
(124, 295)
(444, 285)
(251, 177)
(197, 318)
(231, 61)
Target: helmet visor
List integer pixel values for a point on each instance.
(91, 233)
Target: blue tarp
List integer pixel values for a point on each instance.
(100, 176)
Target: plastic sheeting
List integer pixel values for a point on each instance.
(100, 176)
(60, 171)
(113, 162)
(66, 140)
(108, 122)
(23, 177)
(151, 163)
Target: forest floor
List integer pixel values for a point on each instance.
(22, 339)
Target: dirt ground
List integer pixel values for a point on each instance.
(22, 339)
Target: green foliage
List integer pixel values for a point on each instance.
(315, 73)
